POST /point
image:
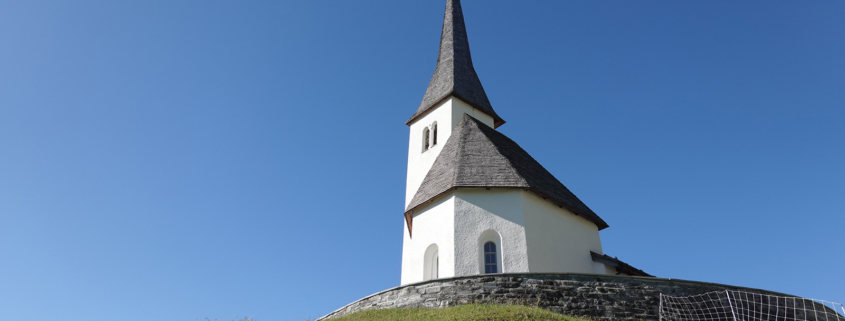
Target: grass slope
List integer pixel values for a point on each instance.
(486, 312)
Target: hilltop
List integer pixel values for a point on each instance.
(486, 312)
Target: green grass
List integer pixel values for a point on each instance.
(485, 312)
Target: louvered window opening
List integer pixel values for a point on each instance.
(434, 134)
(426, 133)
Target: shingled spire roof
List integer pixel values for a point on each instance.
(476, 155)
(454, 74)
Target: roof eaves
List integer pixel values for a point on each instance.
(600, 223)
(497, 121)
(620, 266)
(413, 206)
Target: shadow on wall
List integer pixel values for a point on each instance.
(490, 253)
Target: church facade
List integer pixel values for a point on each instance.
(476, 202)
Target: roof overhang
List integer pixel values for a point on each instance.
(621, 267)
(497, 121)
(409, 213)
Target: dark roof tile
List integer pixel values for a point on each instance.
(620, 266)
(479, 156)
(454, 74)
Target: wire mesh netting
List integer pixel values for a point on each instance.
(747, 306)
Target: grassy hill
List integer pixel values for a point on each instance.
(485, 312)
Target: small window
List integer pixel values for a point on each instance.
(431, 263)
(425, 139)
(434, 134)
(490, 258)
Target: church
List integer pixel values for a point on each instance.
(485, 222)
(475, 201)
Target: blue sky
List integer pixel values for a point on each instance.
(175, 160)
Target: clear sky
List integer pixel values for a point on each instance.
(175, 160)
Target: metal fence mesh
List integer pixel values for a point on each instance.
(747, 306)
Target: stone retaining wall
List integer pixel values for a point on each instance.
(593, 296)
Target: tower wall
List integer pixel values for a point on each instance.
(446, 115)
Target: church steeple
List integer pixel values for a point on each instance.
(454, 74)
(476, 202)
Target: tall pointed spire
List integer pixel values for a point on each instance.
(454, 74)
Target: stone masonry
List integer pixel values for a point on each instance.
(605, 297)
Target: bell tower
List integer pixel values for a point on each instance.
(454, 90)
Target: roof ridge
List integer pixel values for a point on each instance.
(467, 160)
(457, 152)
(478, 123)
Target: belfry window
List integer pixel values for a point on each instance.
(490, 258)
(425, 139)
(434, 134)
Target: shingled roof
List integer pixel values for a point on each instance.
(476, 155)
(454, 74)
(621, 267)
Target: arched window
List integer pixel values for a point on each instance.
(434, 134)
(431, 263)
(425, 139)
(490, 252)
(490, 261)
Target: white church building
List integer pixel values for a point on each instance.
(476, 202)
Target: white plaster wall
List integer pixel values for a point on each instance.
(447, 115)
(601, 268)
(433, 224)
(558, 241)
(430, 266)
(459, 108)
(478, 210)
